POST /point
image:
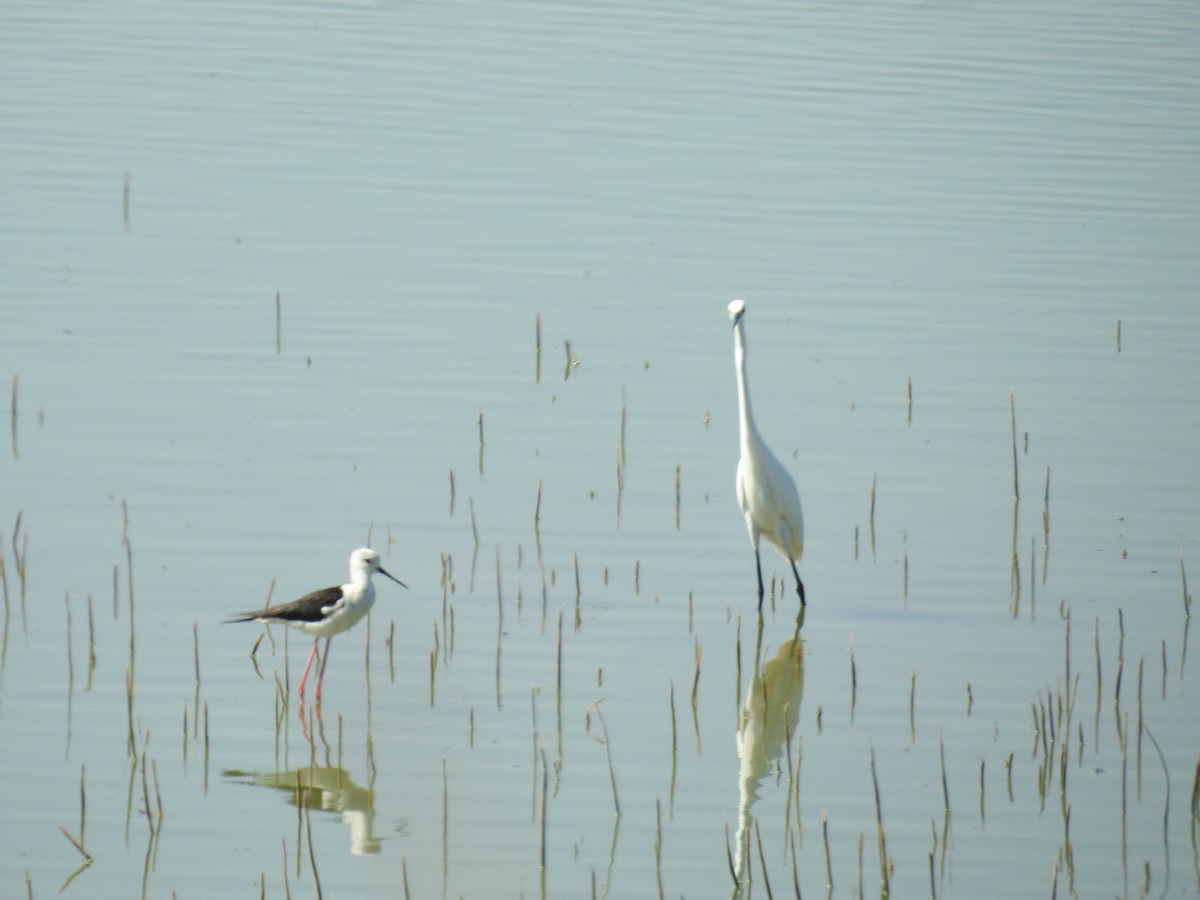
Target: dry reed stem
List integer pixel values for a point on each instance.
(537, 348)
(445, 822)
(480, 423)
(828, 858)
(1012, 411)
(312, 859)
(945, 783)
(678, 501)
(881, 838)
(762, 860)
(658, 846)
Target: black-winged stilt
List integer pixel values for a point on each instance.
(328, 611)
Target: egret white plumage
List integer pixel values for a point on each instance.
(328, 611)
(765, 491)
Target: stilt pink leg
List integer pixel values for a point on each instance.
(321, 673)
(307, 666)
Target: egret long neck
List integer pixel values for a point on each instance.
(745, 417)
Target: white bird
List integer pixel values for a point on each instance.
(765, 491)
(328, 611)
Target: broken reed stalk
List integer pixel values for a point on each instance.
(612, 775)
(1167, 777)
(77, 845)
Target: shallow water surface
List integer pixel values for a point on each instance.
(283, 281)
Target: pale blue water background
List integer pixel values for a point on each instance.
(970, 197)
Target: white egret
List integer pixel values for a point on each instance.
(328, 611)
(765, 491)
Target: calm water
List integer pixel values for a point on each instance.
(997, 205)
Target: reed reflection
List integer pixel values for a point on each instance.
(325, 788)
(766, 723)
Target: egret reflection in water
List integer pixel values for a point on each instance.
(766, 724)
(324, 788)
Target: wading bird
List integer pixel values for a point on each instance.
(328, 611)
(765, 491)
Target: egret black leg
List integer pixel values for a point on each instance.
(758, 565)
(799, 584)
